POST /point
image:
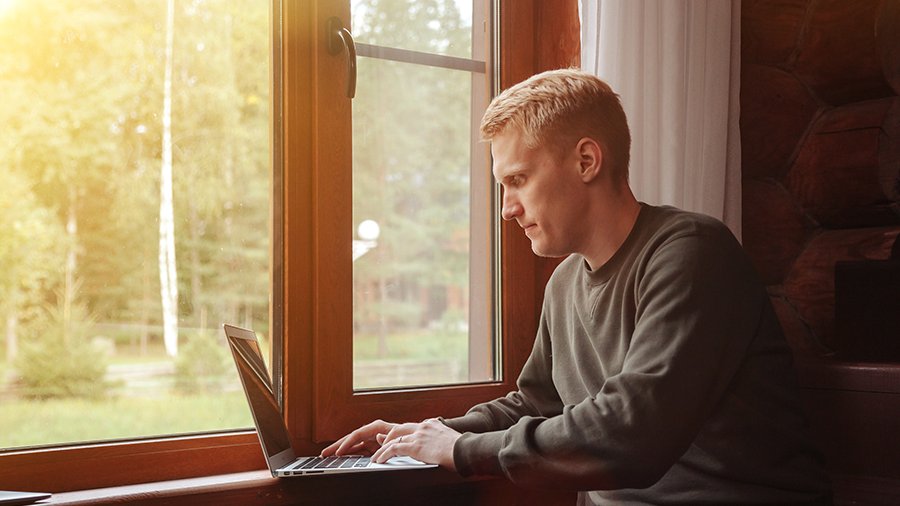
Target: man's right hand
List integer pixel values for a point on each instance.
(361, 441)
(430, 441)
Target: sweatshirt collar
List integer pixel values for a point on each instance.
(603, 273)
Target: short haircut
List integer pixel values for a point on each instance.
(558, 108)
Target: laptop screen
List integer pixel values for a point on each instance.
(258, 387)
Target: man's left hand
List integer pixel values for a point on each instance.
(430, 441)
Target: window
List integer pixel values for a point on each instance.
(534, 35)
(137, 172)
(422, 271)
(119, 116)
(315, 299)
(412, 321)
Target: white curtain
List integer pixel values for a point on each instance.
(676, 66)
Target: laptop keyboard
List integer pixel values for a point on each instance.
(344, 462)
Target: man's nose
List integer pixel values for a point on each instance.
(511, 207)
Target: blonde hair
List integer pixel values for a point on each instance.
(559, 107)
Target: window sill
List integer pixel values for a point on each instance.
(428, 486)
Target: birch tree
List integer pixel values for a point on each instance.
(168, 277)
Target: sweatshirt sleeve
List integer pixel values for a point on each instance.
(697, 308)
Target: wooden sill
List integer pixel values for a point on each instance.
(428, 486)
(853, 408)
(834, 374)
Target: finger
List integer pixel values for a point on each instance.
(362, 434)
(389, 436)
(330, 449)
(402, 445)
(358, 449)
(349, 444)
(370, 447)
(386, 452)
(398, 431)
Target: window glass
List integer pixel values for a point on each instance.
(135, 164)
(422, 296)
(432, 26)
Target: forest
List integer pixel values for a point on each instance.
(135, 208)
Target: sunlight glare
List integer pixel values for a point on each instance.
(6, 5)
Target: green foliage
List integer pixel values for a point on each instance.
(411, 162)
(120, 417)
(29, 245)
(56, 370)
(82, 88)
(81, 82)
(203, 365)
(418, 345)
(59, 361)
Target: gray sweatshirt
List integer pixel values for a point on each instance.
(661, 377)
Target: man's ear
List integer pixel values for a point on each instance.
(590, 159)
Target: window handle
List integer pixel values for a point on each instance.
(340, 38)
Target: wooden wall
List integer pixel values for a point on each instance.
(820, 132)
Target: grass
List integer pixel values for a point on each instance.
(61, 421)
(31, 423)
(423, 345)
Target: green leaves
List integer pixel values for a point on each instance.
(81, 82)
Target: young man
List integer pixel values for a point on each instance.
(659, 373)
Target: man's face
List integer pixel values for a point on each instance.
(542, 192)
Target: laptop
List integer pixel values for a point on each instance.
(10, 498)
(273, 434)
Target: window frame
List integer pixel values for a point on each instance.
(529, 42)
(338, 408)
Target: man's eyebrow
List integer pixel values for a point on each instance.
(511, 174)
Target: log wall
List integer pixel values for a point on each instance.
(820, 132)
(820, 128)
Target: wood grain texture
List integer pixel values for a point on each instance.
(837, 176)
(108, 464)
(798, 334)
(431, 487)
(776, 110)
(837, 55)
(886, 30)
(775, 231)
(770, 30)
(810, 284)
(853, 410)
(818, 120)
(297, 114)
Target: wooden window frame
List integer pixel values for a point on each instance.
(327, 351)
(531, 41)
(338, 409)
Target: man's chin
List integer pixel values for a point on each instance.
(545, 253)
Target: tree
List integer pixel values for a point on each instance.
(415, 187)
(47, 136)
(83, 133)
(60, 361)
(168, 273)
(27, 252)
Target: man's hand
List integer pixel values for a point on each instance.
(362, 441)
(430, 441)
